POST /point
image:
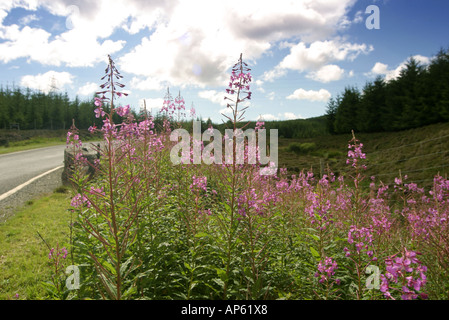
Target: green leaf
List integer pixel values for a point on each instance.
(125, 266)
(222, 274)
(201, 235)
(129, 292)
(219, 282)
(313, 236)
(314, 252)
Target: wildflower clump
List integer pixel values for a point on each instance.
(404, 276)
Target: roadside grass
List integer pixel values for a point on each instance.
(33, 143)
(23, 254)
(13, 141)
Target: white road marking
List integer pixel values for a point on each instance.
(10, 192)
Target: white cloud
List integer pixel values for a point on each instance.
(213, 96)
(88, 89)
(300, 94)
(226, 111)
(27, 19)
(184, 45)
(292, 116)
(359, 17)
(47, 81)
(320, 53)
(153, 105)
(267, 117)
(270, 96)
(317, 56)
(194, 48)
(75, 48)
(380, 68)
(146, 84)
(327, 73)
(84, 41)
(273, 74)
(391, 74)
(280, 116)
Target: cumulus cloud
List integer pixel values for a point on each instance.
(183, 46)
(226, 111)
(300, 94)
(319, 53)
(279, 116)
(146, 83)
(267, 117)
(75, 48)
(391, 74)
(84, 40)
(151, 104)
(194, 48)
(327, 73)
(292, 116)
(88, 89)
(315, 59)
(213, 96)
(47, 81)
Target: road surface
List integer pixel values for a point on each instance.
(19, 167)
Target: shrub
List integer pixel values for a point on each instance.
(301, 148)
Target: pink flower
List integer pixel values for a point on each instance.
(99, 112)
(122, 111)
(79, 201)
(92, 128)
(326, 269)
(98, 102)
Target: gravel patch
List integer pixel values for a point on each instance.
(44, 185)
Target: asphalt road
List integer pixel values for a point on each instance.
(19, 167)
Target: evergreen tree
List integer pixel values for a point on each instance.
(331, 112)
(410, 80)
(346, 117)
(372, 107)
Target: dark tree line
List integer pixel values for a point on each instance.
(418, 97)
(38, 110)
(289, 129)
(33, 110)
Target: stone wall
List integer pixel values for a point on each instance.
(90, 153)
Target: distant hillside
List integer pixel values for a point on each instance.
(296, 129)
(418, 153)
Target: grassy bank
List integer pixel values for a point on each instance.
(14, 140)
(23, 254)
(419, 153)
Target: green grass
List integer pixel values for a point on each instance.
(14, 140)
(420, 153)
(23, 254)
(33, 143)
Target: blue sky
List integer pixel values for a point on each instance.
(301, 52)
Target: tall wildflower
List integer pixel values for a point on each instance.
(107, 212)
(238, 91)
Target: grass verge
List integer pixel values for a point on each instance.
(23, 254)
(30, 144)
